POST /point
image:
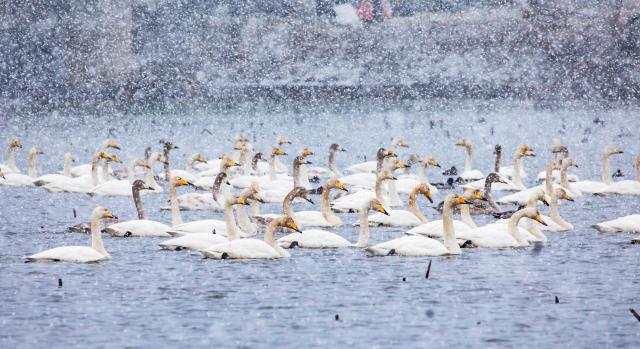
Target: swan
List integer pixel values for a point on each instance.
(325, 217)
(436, 228)
(85, 169)
(202, 201)
(316, 238)
(416, 245)
(534, 229)
(626, 187)
(354, 201)
(516, 183)
(10, 167)
(248, 227)
(500, 235)
(287, 209)
(82, 254)
(402, 218)
(406, 184)
(81, 184)
(469, 173)
(279, 166)
(189, 173)
(516, 171)
(55, 177)
(556, 223)
(167, 147)
(141, 227)
(303, 175)
(332, 171)
(521, 198)
(206, 180)
(18, 179)
(204, 240)
(254, 248)
(627, 224)
(121, 187)
(595, 186)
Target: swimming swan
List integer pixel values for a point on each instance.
(325, 217)
(595, 186)
(402, 218)
(469, 173)
(19, 179)
(10, 167)
(627, 224)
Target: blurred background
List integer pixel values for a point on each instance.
(148, 54)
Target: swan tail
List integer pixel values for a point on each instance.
(214, 254)
(380, 251)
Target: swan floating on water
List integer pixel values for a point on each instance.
(469, 173)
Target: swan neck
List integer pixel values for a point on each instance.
(167, 168)
(32, 165)
(467, 160)
(465, 216)
(67, 166)
(243, 219)
(272, 168)
(96, 237)
(449, 233)
(255, 208)
(287, 205)
(94, 171)
(606, 176)
(332, 164)
(422, 173)
(324, 205)
(150, 178)
(130, 171)
(138, 203)
(268, 235)
(496, 165)
(363, 237)
(297, 173)
(638, 171)
(11, 159)
(548, 184)
(189, 166)
(513, 226)
(554, 213)
(413, 207)
(105, 171)
(176, 216)
(232, 232)
(517, 167)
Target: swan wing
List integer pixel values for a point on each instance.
(138, 227)
(410, 245)
(80, 254)
(396, 218)
(242, 249)
(363, 167)
(630, 224)
(314, 238)
(194, 242)
(202, 226)
(436, 229)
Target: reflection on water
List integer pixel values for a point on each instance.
(146, 297)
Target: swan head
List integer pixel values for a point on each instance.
(568, 162)
(613, 150)
(69, 157)
(141, 163)
(111, 143)
(424, 189)
(539, 195)
(336, 147)
(231, 163)
(399, 142)
(36, 151)
(276, 151)
(139, 184)
(178, 181)
(101, 212)
(335, 183)
(431, 161)
(114, 158)
(301, 160)
(168, 145)
(497, 150)
(252, 193)
(240, 200)
(15, 143)
(301, 192)
(258, 156)
(306, 152)
(375, 205)
(199, 158)
(155, 156)
(561, 193)
(464, 143)
(282, 140)
(455, 199)
(533, 213)
(399, 164)
(524, 150)
(474, 194)
(495, 178)
(288, 222)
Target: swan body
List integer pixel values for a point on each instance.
(193, 242)
(207, 226)
(363, 167)
(626, 187)
(435, 229)
(315, 238)
(138, 228)
(497, 235)
(627, 224)
(396, 218)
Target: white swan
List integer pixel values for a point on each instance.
(19, 179)
(85, 169)
(498, 235)
(317, 238)
(416, 245)
(595, 186)
(469, 173)
(374, 166)
(331, 171)
(626, 224)
(325, 217)
(402, 218)
(521, 198)
(120, 187)
(516, 183)
(406, 183)
(465, 224)
(204, 201)
(626, 187)
(204, 240)
(205, 182)
(82, 254)
(533, 228)
(81, 184)
(141, 227)
(55, 177)
(366, 179)
(10, 167)
(253, 248)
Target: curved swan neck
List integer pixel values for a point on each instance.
(271, 228)
(554, 212)
(513, 226)
(413, 206)
(332, 164)
(287, 204)
(606, 176)
(363, 237)
(176, 216)
(465, 216)
(215, 189)
(489, 195)
(449, 233)
(638, 169)
(324, 205)
(96, 237)
(467, 160)
(243, 219)
(150, 179)
(232, 233)
(138, 203)
(378, 191)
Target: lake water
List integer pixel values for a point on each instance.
(146, 297)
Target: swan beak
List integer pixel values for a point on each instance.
(381, 209)
(242, 201)
(462, 201)
(2, 176)
(544, 201)
(228, 183)
(340, 186)
(279, 151)
(567, 197)
(307, 152)
(478, 196)
(308, 163)
(310, 201)
(460, 142)
(394, 178)
(260, 200)
(400, 164)
(108, 214)
(539, 219)
(294, 226)
(428, 195)
(343, 150)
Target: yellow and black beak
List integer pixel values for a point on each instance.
(294, 226)
(108, 214)
(381, 209)
(428, 195)
(567, 197)
(462, 201)
(307, 152)
(478, 196)
(538, 218)
(340, 186)
(544, 201)
(242, 201)
(259, 199)
(309, 200)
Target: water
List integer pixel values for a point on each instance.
(146, 297)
